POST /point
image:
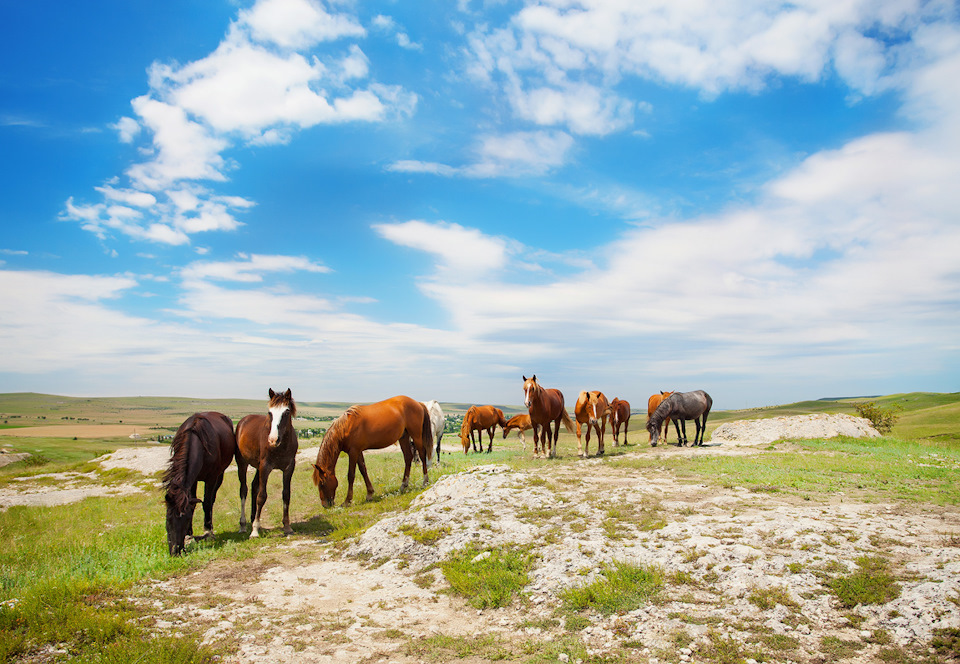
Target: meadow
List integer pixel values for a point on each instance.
(66, 571)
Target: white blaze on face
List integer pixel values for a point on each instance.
(276, 413)
(526, 396)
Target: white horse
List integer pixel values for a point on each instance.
(436, 421)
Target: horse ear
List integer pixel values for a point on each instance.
(288, 394)
(271, 392)
(534, 377)
(524, 378)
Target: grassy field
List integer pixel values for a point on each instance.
(65, 571)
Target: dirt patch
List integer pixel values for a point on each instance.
(797, 427)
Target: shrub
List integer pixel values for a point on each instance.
(882, 419)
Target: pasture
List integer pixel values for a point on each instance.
(90, 580)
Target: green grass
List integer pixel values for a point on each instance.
(488, 577)
(621, 587)
(871, 583)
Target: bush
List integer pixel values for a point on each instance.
(882, 419)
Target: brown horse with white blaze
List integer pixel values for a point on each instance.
(591, 410)
(619, 416)
(373, 426)
(546, 407)
(480, 419)
(652, 404)
(267, 442)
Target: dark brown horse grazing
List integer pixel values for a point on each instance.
(373, 426)
(619, 416)
(591, 410)
(267, 442)
(521, 423)
(682, 406)
(480, 419)
(545, 406)
(201, 450)
(652, 403)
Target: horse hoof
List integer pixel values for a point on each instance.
(254, 533)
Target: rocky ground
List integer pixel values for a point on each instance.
(745, 575)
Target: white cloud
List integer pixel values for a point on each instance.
(454, 245)
(249, 269)
(516, 154)
(297, 24)
(255, 87)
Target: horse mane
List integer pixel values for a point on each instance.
(177, 469)
(330, 447)
(284, 398)
(663, 411)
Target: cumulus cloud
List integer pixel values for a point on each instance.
(262, 84)
(249, 268)
(452, 244)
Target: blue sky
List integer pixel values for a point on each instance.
(360, 199)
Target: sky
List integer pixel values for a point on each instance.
(361, 199)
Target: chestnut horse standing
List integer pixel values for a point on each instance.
(619, 416)
(682, 406)
(201, 450)
(546, 406)
(652, 403)
(373, 426)
(521, 423)
(480, 419)
(267, 442)
(591, 410)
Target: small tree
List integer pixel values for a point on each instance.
(882, 419)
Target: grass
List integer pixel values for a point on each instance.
(871, 583)
(488, 577)
(621, 587)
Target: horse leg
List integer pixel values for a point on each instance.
(553, 439)
(490, 433)
(263, 474)
(666, 430)
(242, 476)
(407, 449)
(287, 478)
(209, 497)
(255, 490)
(599, 438)
(351, 473)
(580, 442)
(683, 437)
(366, 478)
(423, 457)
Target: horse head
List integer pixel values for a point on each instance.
(179, 515)
(281, 406)
(326, 483)
(530, 388)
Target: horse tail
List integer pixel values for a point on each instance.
(427, 433)
(567, 422)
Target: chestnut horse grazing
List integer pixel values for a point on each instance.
(591, 410)
(480, 419)
(619, 416)
(267, 442)
(682, 406)
(545, 406)
(373, 426)
(201, 450)
(521, 423)
(437, 421)
(652, 403)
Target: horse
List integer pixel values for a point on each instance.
(619, 416)
(521, 423)
(373, 426)
(480, 419)
(545, 405)
(652, 404)
(591, 410)
(682, 406)
(437, 421)
(267, 442)
(201, 450)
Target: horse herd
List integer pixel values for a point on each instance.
(206, 443)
